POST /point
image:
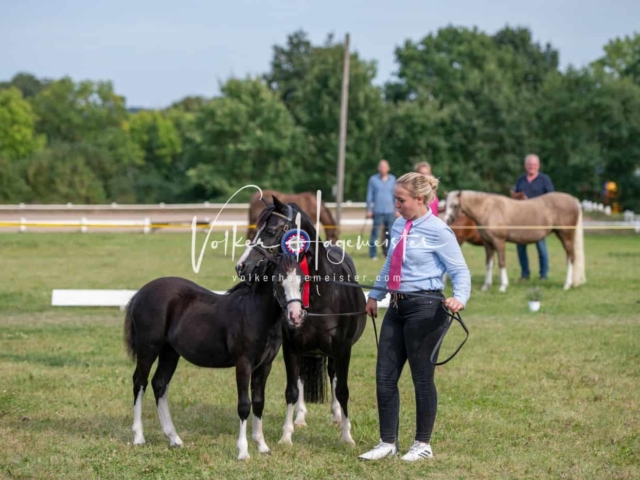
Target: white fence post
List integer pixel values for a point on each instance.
(83, 223)
(23, 225)
(147, 225)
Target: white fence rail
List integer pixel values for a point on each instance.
(118, 298)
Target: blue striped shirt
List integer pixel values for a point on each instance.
(380, 198)
(431, 250)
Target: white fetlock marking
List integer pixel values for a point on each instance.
(568, 281)
(165, 420)
(301, 408)
(346, 431)
(257, 435)
(335, 405)
(243, 445)
(287, 429)
(504, 280)
(138, 437)
(488, 277)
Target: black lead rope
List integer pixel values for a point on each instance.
(450, 318)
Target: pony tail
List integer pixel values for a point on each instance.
(129, 330)
(579, 276)
(313, 373)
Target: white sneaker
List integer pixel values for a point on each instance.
(374, 259)
(418, 451)
(379, 451)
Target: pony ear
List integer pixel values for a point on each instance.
(277, 203)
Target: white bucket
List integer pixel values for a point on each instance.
(534, 306)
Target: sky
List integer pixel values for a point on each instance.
(157, 52)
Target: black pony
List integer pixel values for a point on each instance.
(320, 334)
(173, 317)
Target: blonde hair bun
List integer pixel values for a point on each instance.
(419, 185)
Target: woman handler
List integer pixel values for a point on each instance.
(422, 249)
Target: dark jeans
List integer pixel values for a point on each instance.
(409, 331)
(386, 221)
(542, 254)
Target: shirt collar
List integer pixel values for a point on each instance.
(421, 219)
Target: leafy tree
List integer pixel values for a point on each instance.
(308, 79)
(621, 58)
(27, 83)
(589, 130)
(62, 174)
(245, 136)
(17, 124)
(481, 91)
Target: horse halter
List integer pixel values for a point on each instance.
(270, 252)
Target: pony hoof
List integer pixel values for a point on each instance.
(264, 452)
(566, 287)
(285, 441)
(176, 444)
(502, 289)
(348, 441)
(139, 442)
(300, 424)
(336, 421)
(244, 456)
(485, 288)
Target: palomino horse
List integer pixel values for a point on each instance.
(173, 317)
(466, 229)
(501, 219)
(334, 323)
(306, 201)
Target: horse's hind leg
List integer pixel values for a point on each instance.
(167, 364)
(342, 393)
(335, 404)
(140, 379)
(502, 262)
(258, 383)
(488, 277)
(567, 239)
(243, 378)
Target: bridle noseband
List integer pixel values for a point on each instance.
(271, 252)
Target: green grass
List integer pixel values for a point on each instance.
(546, 395)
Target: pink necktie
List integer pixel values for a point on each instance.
(395, 269)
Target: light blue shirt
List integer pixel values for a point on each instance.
(380, 198)
(431, 250)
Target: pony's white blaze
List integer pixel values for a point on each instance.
(291, 285)
(138, 437)
(301, 408)
(287, 429)
(504, 280)
(248, 250)
(243, 445)
(336, 409)
(165, 420)
(452, 203)
(345, 426)
(257, 435)
(488, 278)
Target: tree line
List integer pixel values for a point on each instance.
(470, 103)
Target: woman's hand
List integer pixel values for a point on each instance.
(452, 304)
(372, 307)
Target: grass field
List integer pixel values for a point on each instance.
(546, 395)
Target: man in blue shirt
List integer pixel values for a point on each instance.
(381, 205)
(533, 184)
